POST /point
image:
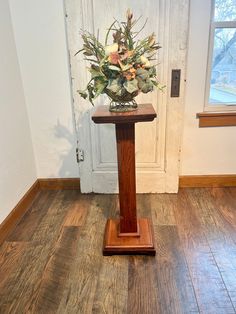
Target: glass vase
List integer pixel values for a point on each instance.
(123, 106)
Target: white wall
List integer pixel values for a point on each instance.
(39, 30)
(204, 150)
(41, 45)
(17, 167)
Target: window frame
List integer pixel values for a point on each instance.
(216, 107)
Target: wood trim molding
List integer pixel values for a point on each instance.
(59, 184)
(208, 119)
(205, 181)
(18, 211)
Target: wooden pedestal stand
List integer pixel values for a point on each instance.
(127, 235)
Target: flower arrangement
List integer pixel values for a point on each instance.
(123, 69)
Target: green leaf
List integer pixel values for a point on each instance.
(147, 87)
(99, 85)
(131, 86)
(108, 32)
(88, 52)
(158, 85)
(78, 51)
(114, 68)
(142, 74)
(102, 61)
(114, 85)
(141, 82)
(95, 72)
(90, 89)
(83, 94)
(152, 71)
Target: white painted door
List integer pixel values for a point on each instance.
(158, 142)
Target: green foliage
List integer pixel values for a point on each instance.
(131, 86)
(114, 85)
(152, 72)
(114, 68)
(99, 86)
(147, 86)
(95, 71)
(83, 94)
(142, 74)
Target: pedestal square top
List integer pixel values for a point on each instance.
(145, 112)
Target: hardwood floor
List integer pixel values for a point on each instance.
(52, 262)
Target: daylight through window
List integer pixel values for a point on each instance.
(221, 82)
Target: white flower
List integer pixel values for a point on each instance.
(111, 48)
(145, 61)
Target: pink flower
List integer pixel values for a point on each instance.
(114, 58)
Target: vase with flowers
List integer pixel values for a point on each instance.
(123, 69)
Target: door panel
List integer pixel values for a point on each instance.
(158, 142)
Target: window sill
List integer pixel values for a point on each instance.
(209, 119)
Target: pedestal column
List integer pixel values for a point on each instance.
(127, 235)
(126, 174)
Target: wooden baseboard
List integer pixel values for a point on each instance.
(204, 181)
(59, 184)
(18, 211)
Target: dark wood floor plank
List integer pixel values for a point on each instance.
(144, 206)
(228, 206)
(211, 293)
(142, 289)
(225, 202)
(79, 295)
(175, 288)
(30, 221)
(112, 287)
(57, 266)
(158, 207)
(25, 279)
(77, 212)
(162, 209)
(10, 255)
(48, 296)
(51, 224)
(216, 229)
(142, 272)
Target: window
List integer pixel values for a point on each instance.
(221, 75)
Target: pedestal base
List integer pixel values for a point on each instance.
(120, 245)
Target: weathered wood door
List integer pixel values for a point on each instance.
(157, 143)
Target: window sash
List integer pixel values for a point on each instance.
(214, 25)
